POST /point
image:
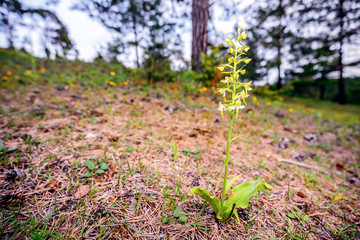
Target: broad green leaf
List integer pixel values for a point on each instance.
(177, 211)
(213, 201)
(241, 194)
(88, 174)
(302, 216)
(230, 183)
(90, 164)
(290, 215)
(104, 166)
(183, 219)
(165, 220)
(99, 171)
(130, 149)
(2, 147)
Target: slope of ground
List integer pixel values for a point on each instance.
(117, 162)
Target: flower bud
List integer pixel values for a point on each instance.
(246, 61)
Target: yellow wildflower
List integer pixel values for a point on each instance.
(268, 104)
(4, 78)
(29, 71)
(42, 69)
(112, 73)
(257, 103)
(254, 99)
(125, 83)
(112, 83)
(291, 110)
(9, 73)
(203, 89)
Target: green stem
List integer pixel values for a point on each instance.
(227, 158)
(232, 112)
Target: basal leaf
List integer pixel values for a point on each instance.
(2, 146)
(104, 166)
(302, 216)
(213, 201)
(241, 194)
(177, 211)
(290, 215)
(183, 219)
(86, 175)
(90, 164)
(99, 171)
(230, 183)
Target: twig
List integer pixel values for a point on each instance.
(303, 165)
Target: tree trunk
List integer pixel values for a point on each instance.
(136, 40)
(199, 18)
(341, 83)
(279, 44)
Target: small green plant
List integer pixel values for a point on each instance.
(95, 165)
(234, 93)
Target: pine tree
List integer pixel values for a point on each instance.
(12, 13)
(324, 28)
(270, 36)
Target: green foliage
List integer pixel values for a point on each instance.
(240, 195)
(95, 165)
(209, 63)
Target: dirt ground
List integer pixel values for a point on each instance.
(117, 164)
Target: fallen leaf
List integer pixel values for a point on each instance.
(81, 191)
(301, 194)
(339, 165)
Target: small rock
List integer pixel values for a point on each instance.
(54, 125)
(60, 88)
(96, 112)
(39, 103)
(14, 175)
(107, 100)
(145, 99)
(91, 136)
(311, 137)
(172, 109)
(311, 155)
(300, 157)
(36, 91)
(216, 120)
(353, 180)
(279, 115)
(157, 95)
(170, 152)
(37, 111)
(284, 143)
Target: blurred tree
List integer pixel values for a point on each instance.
(163, 45)
(270, 36)
(199, 19)
(324, 27)
(137, 23)
(12, 12)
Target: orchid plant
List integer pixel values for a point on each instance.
(234, 93)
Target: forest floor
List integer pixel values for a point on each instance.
(117, 163)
